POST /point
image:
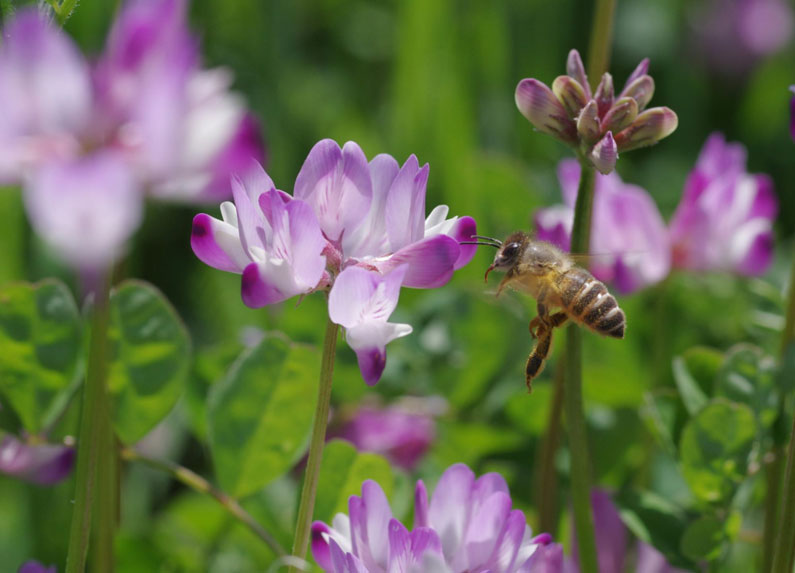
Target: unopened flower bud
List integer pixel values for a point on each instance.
(541, 108)
(621, 115)
(576, 70)
(604, 154)
(640, 90)
(641, 70)
(604, 94)
(648, 128)
(588, 122)
(570, 93)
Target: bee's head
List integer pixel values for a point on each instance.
(509, 253)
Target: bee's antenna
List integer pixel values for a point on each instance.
(485, 241)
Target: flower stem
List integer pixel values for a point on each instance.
(572, 395)
(546, 477)
(92, 427)
(784, 553)
(601, 36)
(307, 505)
(201, 485)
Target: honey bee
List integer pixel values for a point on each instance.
(550, 276)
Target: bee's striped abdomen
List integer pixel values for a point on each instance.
(586, 300)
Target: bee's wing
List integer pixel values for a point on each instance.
(596, 259)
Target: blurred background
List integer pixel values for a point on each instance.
(436, 78)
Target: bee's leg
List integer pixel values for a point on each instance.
(542, 319)
(535, 362)
(557, 319)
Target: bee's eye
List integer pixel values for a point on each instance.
(510, 250)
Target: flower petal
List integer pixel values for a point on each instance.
(554, 224)
(420, 505)
(449, 507)
(217, 244)
(430, 261)
(321, 551)
(370, 238)
(509, 542)
(485, 527)
(405, 205)
(43, 464)
(336, 183)
(86, 210)
(399, 547)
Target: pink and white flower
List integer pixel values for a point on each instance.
(469, 525)
(402, 432)
(146, 107)
(629, 239)
(44, 464)
(725, 219)
(355, 228)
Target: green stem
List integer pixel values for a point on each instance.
(309, 490)
(601, 36)
(546, 476)
(784, 553)
(572, 396)
(89, 446)
(201, 485)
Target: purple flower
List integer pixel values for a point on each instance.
(611, 542)
(598, 125)
(355, 228)
(629, 239)
(36, 567)
(725, 218)
(402, 432)
(43, 464)
(146, 117)
(467, 526)
(734, 35)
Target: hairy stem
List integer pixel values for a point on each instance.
(601, 37)
(309, 489)
(546, 476)
(572, 395)
(201, 485)
(784, 552)
(93, 426)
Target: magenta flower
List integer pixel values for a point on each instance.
(734, 35)
(467, 526)
(355, 228)
(44, 464)
(629, 239)
(611, 542)
(597, 125)
(725, 218)
(402, 432)
(36, 567)
(145, 118)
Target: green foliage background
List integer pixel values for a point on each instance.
(436, 78)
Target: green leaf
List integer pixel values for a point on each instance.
(341, 475)
(260, 414)
(714, 449)
(40, 349)
(703, 539)
(149, 357)
(694, 373)
(748, 376)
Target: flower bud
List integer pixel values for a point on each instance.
(604, 154)
(621, 115)
(648, 128)
(640, 90)
(570, 93)
(604, 94)
(588, 122)
(576, 70)
(541, 108)
(641, 70)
